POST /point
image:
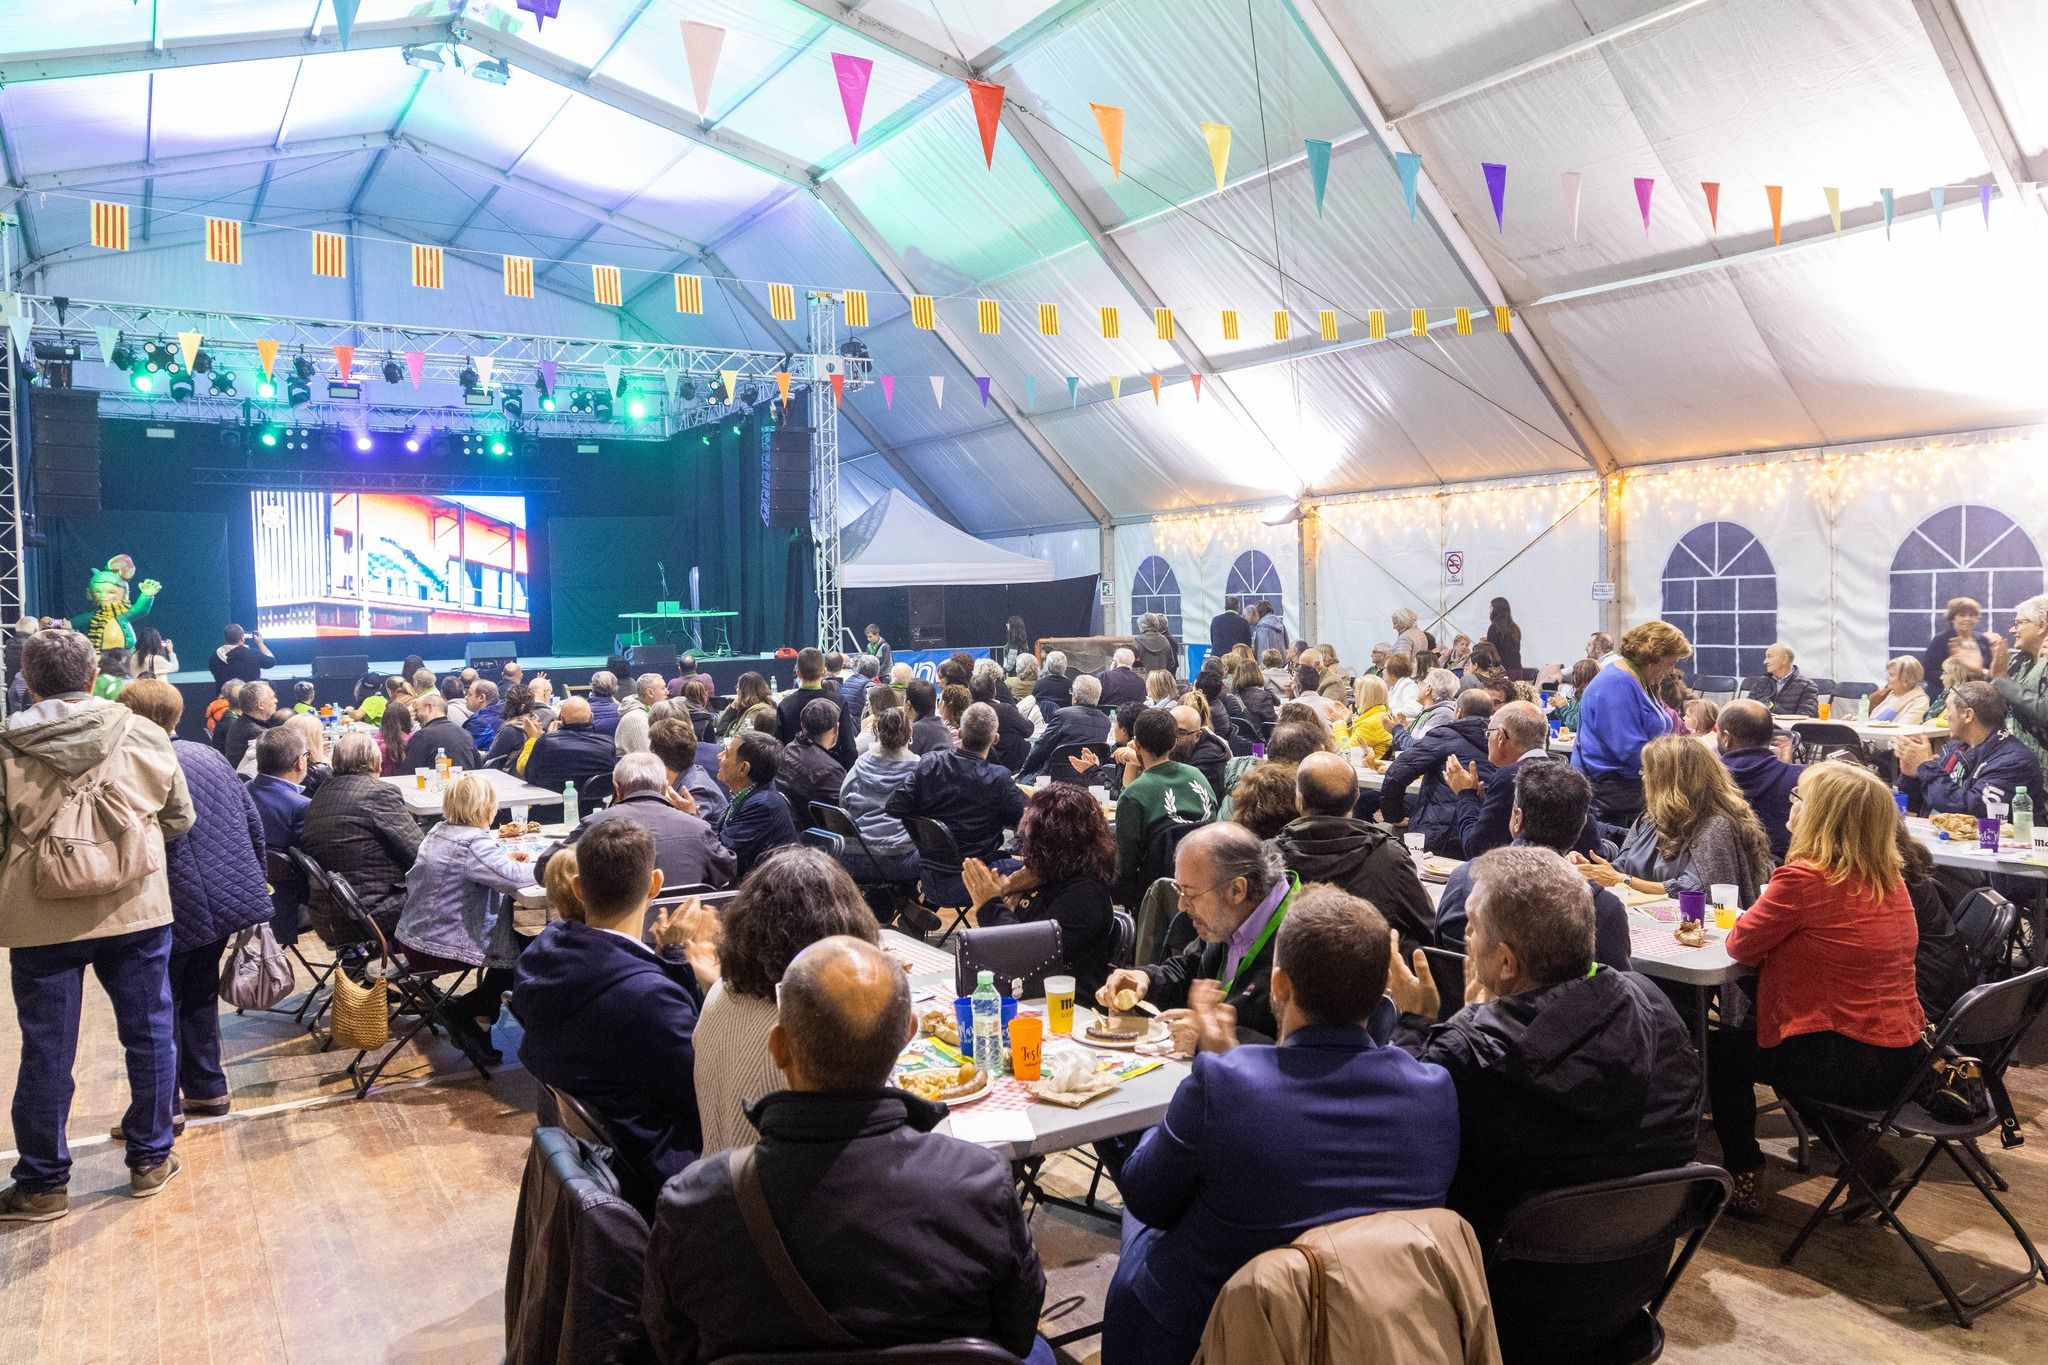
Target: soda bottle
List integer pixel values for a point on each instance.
(2023, 818)
(441, 766)
(570, 812)
(987, 1010)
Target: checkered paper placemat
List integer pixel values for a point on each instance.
(1655, 941)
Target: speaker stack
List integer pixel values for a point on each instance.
(64, 441)
(786, 478)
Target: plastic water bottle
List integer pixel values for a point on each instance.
(2023, 818)
(774, 683)
(1863, 707)
(571, 813)
(987, 1009)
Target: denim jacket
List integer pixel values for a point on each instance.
(448, 891)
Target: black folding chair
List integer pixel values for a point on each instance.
(592, 793)
(1988, 1023)
(1850, 692)
(1579, 1275)
(1447, 969)
(959, 1351)
(825, 841)
(1058, 767)
(837, 821)
(1988, 924)
(585, 1124)
(1825, 689)
(416, 993)
(939, 871)
(280, 870)
(1817, 739)
(1123, 938)
(1716, 687)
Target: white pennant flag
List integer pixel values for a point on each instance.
(17, 323)
(483, 371)
(611, 380)
(1571, 200)
(939, 389)
(109, 338)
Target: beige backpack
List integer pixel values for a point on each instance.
(92, 844)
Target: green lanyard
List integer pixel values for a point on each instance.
(1258, 944)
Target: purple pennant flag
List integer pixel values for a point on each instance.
(981, 382)
(548, 369)
(852, 73)
(888, 382)
(1496, 173)
(1644, 184)
(542, 11)
(1073, 390)
(1984, 203)
(1409, 164)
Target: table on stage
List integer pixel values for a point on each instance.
(641, 630)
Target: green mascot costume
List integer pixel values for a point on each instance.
(107, 624)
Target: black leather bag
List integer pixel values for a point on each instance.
(1011, 952)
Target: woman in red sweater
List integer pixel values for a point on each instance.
(1832, 939)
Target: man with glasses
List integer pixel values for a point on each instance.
(1484, 799)
(1235, 890)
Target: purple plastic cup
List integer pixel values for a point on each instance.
(1903, 801)
(1692, 906)
(1987, 833)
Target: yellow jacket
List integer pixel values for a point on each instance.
(1368, 732)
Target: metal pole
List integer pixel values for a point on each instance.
(13, 588)
(825, 464)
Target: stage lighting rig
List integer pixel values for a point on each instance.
(159, 358)
(513, 401)
(393, 371)
(469, 379)
(601, 405)
(59, 350)
(223, 382)
(750, 394)
(494, 71)
(122, 357)
(181, 386)
(202, 361)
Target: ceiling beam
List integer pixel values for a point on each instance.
(773, 326)
(1315, 25)
(1589, 43)
(72, 64)
(841, 206)
(1950, 39)
(856, 20)
(10, 166)
(562, 199)
(194, 163)
(605, 90)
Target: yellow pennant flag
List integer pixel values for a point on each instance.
(223, 241)
(1503, 319)
(1048, 319)
(922, 314)
(266, 351)
(109, 226)
(1116, 386)
(519, 277)
(731, 380)
(1111, 329)
(1326, 322)
(605, 287)
(1230, 324)
(1834, 195)
(1282, 325)
(782, 302)
(426, 267)
(855, 304)
(188, 346)
(1110, 119)
(1218, 136)
(1464, 322)
(1418, 322)
(1376, 324)
(1162, 322)
(989, 314)
(330, 254)
(689, 293)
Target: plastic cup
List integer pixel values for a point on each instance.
(1415, 842)
(1987, 833)
(1692, 906)
(1824, 709)
(1724, 917)
(1724, 894)
(519, 813)
(1027, 1039)
(1041, 782)
(1059, 1004)
(419, 778)
(963, 1011)
(1903, 801)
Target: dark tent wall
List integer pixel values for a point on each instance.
(599, 526)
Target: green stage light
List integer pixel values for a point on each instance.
(636, 407)
(497, 445)
(703, 440)
(547, 402)
(141, 382)
(266, 389)
(269, 438)
(735, 428)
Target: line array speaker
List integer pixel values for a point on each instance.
(64, 440)
(786, 478)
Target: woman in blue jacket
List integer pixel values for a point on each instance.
(1619, 713)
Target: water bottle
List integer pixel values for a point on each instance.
(2023, 818)
(1863, 707)
(987, 1009)
(774, 683)
(571, 814)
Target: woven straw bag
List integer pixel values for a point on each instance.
(360, 1015)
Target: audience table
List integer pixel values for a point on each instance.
(511, 791)
(2011, 860)
(1874, 734)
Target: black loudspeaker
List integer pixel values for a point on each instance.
(786, 478)
(927, 618)
(489, 657)
(650, 659)
(340, 667)
(64, 433)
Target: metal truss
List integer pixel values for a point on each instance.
(13, 576)
(659, 424)
(359, 480)
(825, 468)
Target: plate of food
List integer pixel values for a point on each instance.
(1120, 1030)
(518, 829)
(1072, 1078)
(959, 1085)
(1435, 868)
(938, 1022)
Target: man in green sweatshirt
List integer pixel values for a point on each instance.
(1159, 792)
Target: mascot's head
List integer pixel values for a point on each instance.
(106, 587)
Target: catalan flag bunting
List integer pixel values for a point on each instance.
(330, 254)
(1162, 323)
(223, 241)
(854, 304)
(519, 277)
(426, 267)
(1048, 319)
(1503, 319)
(1418, 322)
(1376, 324)
(922, 314)
(1230, 324)
(1282, 325)
(604, 286)
(990, 315)
(782, 302)
(1326, 323)
(689, 293)
(109, 225)
(1111, 328)
(1464, 322)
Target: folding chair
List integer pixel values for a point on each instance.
(1718, 688)
(417, 995)
(1817, 739)
(280, 869)
(837, 821)
(825, 841)
(1987, 923)
(346, 955)
(1851, 692)
(592, 793)
(1580, 1274)
(1123, 938)
(1447, 969)
(939, 871)
(1991, 1019)
(1059, 769)
(1826, 690)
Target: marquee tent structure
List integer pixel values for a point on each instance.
(1772, 272)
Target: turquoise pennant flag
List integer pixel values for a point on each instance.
(1318, 168)
(1409, 164)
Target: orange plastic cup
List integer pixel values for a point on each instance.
(1825, 707)
(1027, 1038)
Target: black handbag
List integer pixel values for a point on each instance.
(1010, 952)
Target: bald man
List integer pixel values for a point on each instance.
(1326, 844)
(873, 1208)
(1516, 733)
(433, 732)
(572, 752)
(1759, 758)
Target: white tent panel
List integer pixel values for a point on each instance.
(190, 115)
(42, 28)
(897, 543)
(994, 481)
(491, 123)
(1415, 52)
(700, 196)
(798, 109)
(355, 92)
(273, 256)
(64, 125)
(598, 153)
(1201, 551)
(1177, 455)
(963, 30)
(795, 227)
(759, 35)
(1072, 552)
(2012, 43)
(1081, 284)
(913, 357)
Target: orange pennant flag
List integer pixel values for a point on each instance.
(266, 351)
(782, 386)
(838, 388)
(1155, 390)
(1110, 119)
(345, 361)
(1776, 194)
(1196, 380)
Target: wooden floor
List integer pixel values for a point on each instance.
(308, 1227)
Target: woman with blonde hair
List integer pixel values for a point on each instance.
(1619, 715)
(1838, 1019)
(451, 921)
(1162, 689)
(1371, 725)
(1696, 830)
(1966, 665)
(1902, 698)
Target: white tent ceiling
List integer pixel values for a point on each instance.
(1629, 347)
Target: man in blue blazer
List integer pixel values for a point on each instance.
(1261, 1143)
(281, 760)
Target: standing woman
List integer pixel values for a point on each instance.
(1254, 690)
(1833, 937)
(1619, 714)
(1016, 643)
(217, 890)
(154, 657)
(1963, 614)
(1504, 635)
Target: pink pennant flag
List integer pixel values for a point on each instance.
(415, 365)
(981, 382)
(888, 382)
(1712, 189)
(701, 43)
(1570, 181)
(1645, 184)
(852, 74)
(344, 361)
(1196, 380)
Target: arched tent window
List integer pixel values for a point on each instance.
(1962, 551)
(1253, 578)
(1155, 588)
(1722, 591)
